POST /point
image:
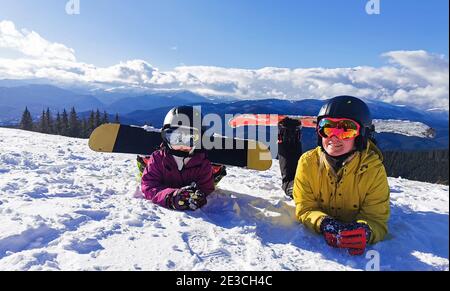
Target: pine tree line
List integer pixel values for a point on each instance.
(426, 166)
(65, 123)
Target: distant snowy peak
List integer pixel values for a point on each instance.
(437, 110)
(405, 127)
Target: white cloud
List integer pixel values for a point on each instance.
(432, 68)
(409, 77)
(32, 44)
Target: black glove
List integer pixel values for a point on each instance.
(187, 198)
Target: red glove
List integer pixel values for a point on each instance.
(331, 239)
(352, 236)
(353, 240)
(330, 228)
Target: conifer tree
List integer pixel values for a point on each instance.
(64, 123)
(49, 121)
(26, 123)
(74, 124)
(43, 123)
(91, 121)
(58, 124)
(97, 119)
(105, 118)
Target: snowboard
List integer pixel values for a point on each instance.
(403, 127)
(126, 139)
(268, 120)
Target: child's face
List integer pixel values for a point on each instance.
(337, 147)
(182, 148)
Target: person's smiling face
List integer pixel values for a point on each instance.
(337, 147)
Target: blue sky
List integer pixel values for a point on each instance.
(236, 33)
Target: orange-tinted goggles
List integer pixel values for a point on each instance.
(342, 128)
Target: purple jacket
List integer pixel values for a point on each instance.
(161, 177)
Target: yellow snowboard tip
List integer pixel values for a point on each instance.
(104, 137)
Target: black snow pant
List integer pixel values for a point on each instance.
(289, 152)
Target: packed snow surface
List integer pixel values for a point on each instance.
(64, 207)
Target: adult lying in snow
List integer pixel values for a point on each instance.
(340, 188)
(175, 177)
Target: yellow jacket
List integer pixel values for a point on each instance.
(358, 192)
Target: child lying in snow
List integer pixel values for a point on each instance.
(175, 177)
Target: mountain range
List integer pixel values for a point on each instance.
(15, 95)
(150, 108)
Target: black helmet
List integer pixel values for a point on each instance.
(353, 108)
(183, 116)
(185, 120)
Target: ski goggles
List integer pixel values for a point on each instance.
(181, 136)
(342, 128)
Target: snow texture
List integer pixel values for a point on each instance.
(64, 207)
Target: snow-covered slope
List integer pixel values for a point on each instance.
(64, 207)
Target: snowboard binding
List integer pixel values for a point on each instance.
(219, 171)
(142, 162)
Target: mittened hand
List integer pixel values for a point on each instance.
(180, 200)
(197, 200)
(187, 198)
(330, 229)
(351, 236)
(353, 240)
(190, 188)
(354, 237)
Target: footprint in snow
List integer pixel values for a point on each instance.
(202, 245)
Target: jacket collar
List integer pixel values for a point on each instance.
(346, 165)
(195, 160)
(357, 163)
